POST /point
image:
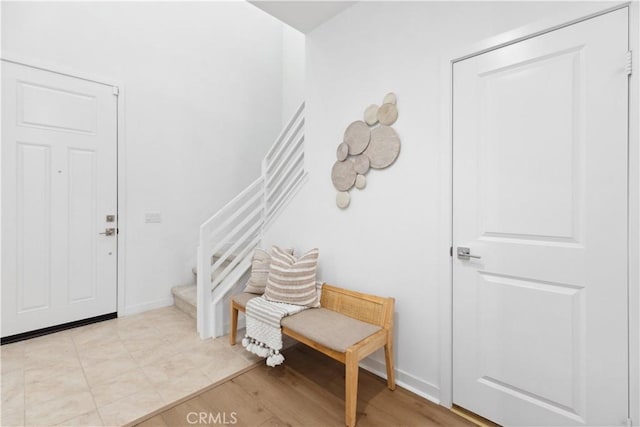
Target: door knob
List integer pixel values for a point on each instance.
(109, 232)
(465, 253)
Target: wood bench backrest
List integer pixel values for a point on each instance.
(367, 308)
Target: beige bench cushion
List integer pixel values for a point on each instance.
(243, 298)
(333, 330)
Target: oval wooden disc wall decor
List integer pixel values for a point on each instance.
(387, 114)
(383, 148)
(343, 175)
(371, 114)
(361, 164)
(357, 137)
(342, 199)
(342, 152)
(390, 98)
(371, 143)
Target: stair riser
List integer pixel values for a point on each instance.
(185, 306)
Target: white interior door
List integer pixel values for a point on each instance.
(59, 181)
(540, 196)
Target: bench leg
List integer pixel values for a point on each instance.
(388, 358)
(234, 324)
(351, 388)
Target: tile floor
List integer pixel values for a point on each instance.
(110, 373)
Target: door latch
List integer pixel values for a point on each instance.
(465, 253)
(109, 232)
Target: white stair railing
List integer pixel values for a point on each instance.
(228, 238)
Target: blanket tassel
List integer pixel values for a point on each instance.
(274, 358)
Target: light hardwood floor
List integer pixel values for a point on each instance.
(307, 390)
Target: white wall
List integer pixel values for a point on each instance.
(386, 242)
(203, 91)
(293, 73)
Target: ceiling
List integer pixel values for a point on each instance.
(303, 15)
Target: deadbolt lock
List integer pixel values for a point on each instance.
(111, 218)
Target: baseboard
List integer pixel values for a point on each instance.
(146, 306)
(405, 380)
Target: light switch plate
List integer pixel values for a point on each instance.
(153, 217)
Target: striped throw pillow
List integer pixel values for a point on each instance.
(293, 280)
(260, 271)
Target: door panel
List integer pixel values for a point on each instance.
(552, 369)
(33, 225)
(518, 147)
(47, 107)
(540, 195)
(83, 214)
(59, 142)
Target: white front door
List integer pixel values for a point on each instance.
(59, 181)
(540, 196)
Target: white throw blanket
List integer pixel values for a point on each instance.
(264, 333)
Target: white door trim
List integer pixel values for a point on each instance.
(122, 226)
(446, 190)
(634, 216)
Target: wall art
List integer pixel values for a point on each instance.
(368, 144)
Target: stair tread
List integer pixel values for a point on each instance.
(187, 293)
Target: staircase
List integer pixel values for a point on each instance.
(229, 237)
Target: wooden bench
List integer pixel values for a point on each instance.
(349, 327)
